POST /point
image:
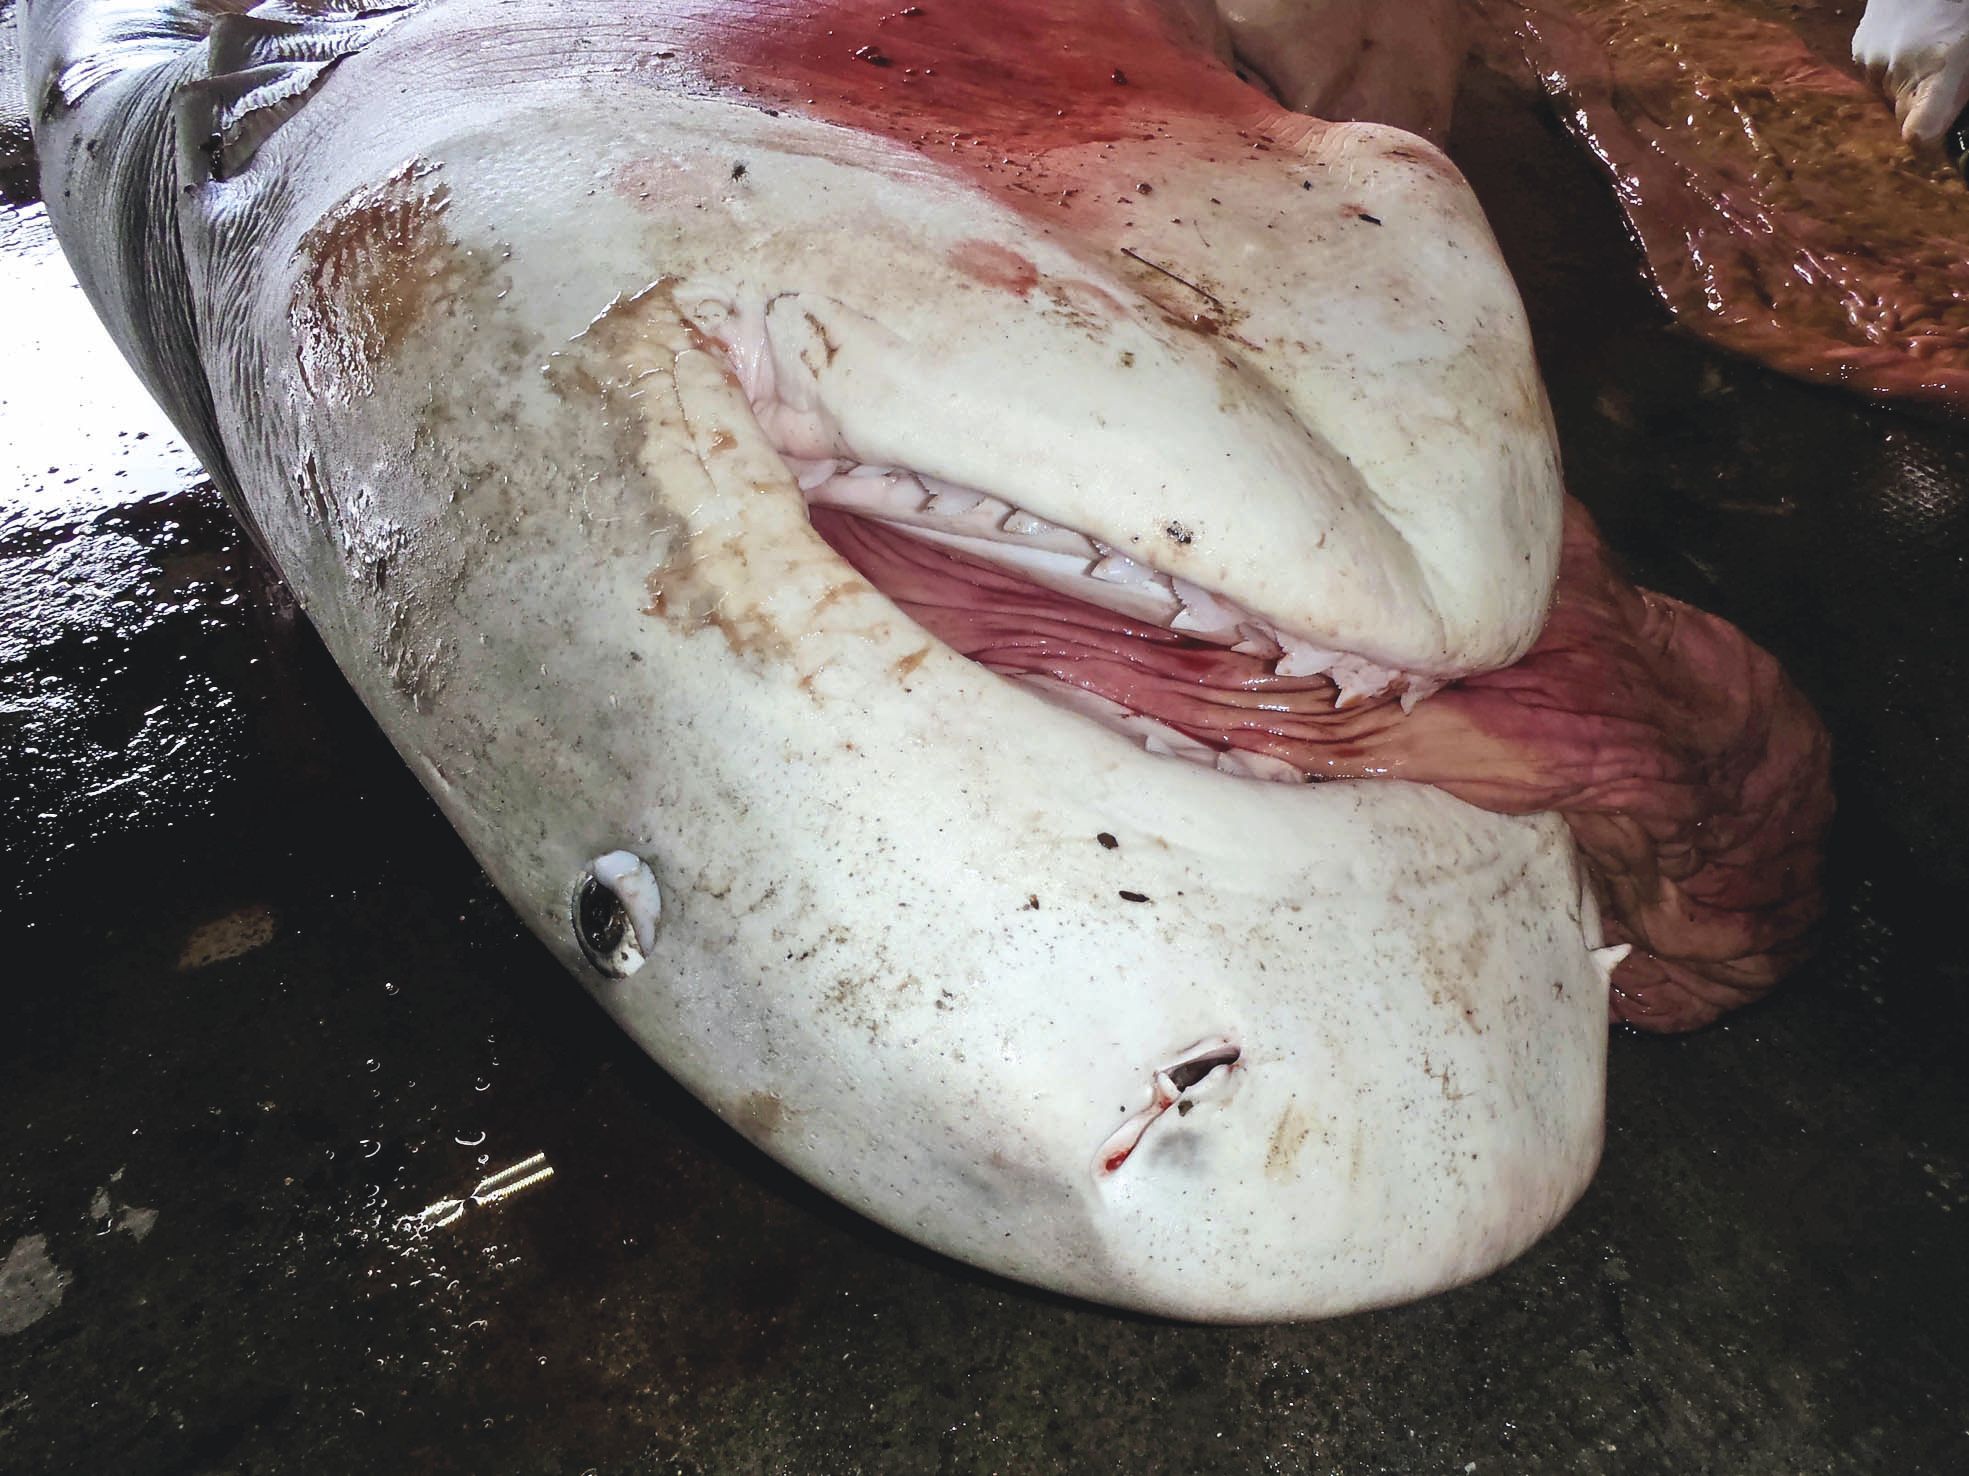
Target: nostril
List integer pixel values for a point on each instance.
(616, 908)
(1167, 1088)
(1191, 1070)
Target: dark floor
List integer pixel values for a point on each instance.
(205, 1160)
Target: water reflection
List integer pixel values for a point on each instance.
(118, 568)
(78, 433)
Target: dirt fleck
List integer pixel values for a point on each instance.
(1108, 842)
(231, 936)
(1134, 896)
(905, 666)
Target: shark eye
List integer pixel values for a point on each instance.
(616, 907)
(601, 926)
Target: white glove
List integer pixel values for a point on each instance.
(1917, 52)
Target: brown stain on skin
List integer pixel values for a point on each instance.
(759, 1115)
(827, 343)
(378, 264)
(1289, 1135)
(1450, 968)
(1084, 305)
(752, 633)
(635, 338)
(905, 666)
(838, 591)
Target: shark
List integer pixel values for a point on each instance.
(1002, 597)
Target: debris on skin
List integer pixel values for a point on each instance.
(1133, 255)
(1107, 841)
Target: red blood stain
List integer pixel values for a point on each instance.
(992, 91)
(995, 266)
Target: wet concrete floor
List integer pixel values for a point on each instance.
(258, 1005)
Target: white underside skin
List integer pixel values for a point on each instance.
(572, 575)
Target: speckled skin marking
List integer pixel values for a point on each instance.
(557, 555)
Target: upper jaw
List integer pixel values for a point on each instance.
(1334, 423)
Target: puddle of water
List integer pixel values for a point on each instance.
(82, 432)
(118, 566)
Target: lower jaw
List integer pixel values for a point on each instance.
(1182, 696)
(1694, 776)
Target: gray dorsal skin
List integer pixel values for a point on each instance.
(101, 85)
(478, 318)
(126, 95)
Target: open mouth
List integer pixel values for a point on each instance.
(1185, 672)
(1691, 773)
(1091, 625)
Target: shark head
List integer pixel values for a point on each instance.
(591, 411)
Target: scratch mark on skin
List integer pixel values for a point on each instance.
(1443, 1078)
